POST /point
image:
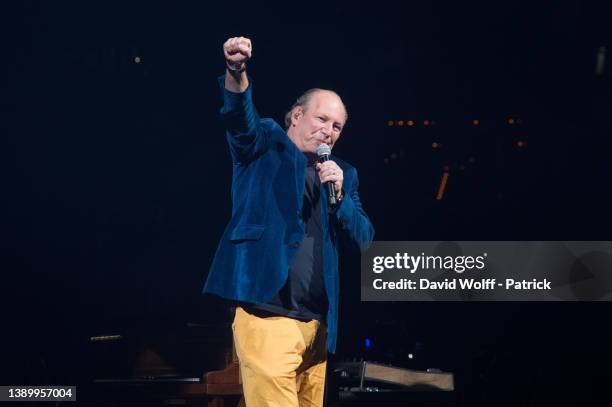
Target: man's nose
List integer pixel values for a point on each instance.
(327, 131)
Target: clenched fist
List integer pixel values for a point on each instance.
(237, 52)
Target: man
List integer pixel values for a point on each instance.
(278, 257)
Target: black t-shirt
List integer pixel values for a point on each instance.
(303, 296)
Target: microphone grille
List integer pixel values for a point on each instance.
(322, 150)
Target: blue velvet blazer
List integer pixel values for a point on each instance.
(258, 245)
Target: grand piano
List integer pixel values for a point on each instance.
(191, 365)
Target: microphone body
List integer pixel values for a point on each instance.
(323, 152)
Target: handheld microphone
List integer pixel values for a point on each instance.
(323, 152)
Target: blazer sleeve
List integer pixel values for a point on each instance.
(351, 218)
(245, 135)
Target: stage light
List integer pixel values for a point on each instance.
(137, 59)
(390, 123)
(410, 123)
(426, 122)
(105, 338)
(400, 123)
(475, 122)
(510, 121)
(368, 343)
(435, 145)
(521, 144)
(443, 182)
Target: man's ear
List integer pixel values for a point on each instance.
(296, 115)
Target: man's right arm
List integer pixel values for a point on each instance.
(238, 114)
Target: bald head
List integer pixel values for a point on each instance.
(305, 100)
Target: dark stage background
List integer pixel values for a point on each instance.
(115, 172)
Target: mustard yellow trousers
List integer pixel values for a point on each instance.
(282, 360)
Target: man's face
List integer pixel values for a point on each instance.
(320, 122)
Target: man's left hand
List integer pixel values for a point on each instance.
(330, 171)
